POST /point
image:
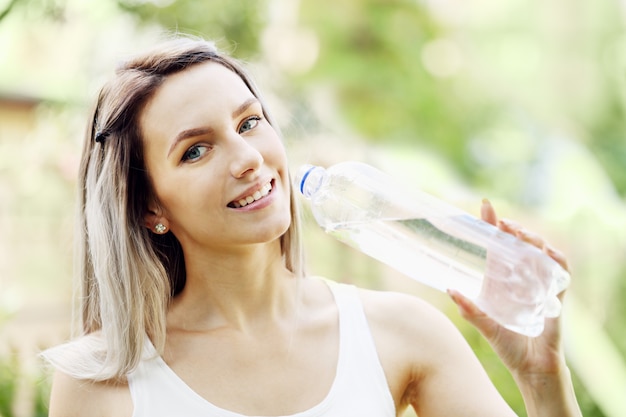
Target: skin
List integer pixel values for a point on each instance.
(245, 317)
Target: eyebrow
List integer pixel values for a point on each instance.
(200, 131)
(244, 106)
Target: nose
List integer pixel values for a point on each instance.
(245, 158)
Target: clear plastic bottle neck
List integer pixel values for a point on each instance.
(309, 179)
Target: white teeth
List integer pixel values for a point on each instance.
(265, 190)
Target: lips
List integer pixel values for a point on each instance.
(255, 196)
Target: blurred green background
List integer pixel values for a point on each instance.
(519, 101)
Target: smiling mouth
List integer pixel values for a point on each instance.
(257, 195)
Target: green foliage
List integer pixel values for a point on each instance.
(374, 61)
(9, 371)
(41, 400)
(616, 327)
(586, 402)
(7, 9)
(609, 143)
(375, 55)
(238, 22)
(36, 9)
(10, 376)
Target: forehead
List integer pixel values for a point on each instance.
(205, 74)
(181, 96)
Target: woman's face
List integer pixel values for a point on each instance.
(218, 168)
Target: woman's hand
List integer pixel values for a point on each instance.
(523, 356)
(536, 363)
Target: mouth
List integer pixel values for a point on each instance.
(255, 196)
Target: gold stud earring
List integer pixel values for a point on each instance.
(160, 228)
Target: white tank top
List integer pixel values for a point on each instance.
(359, 389)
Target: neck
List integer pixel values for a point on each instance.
(244, 288)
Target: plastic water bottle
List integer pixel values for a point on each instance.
(436, 243)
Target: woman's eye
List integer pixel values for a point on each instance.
(194, 153)
(249, 124)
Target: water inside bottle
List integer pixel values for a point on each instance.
(416, 248)
(427, 253)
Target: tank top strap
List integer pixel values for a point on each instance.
(363, 370)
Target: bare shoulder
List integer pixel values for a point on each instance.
(412, 330)
(72, 397)
(407, 318)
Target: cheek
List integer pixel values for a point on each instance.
(178, 195)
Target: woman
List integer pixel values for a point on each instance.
(194, 301)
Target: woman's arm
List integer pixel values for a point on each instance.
(549, 395)
(428, 363)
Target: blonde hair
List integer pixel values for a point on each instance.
(127, 274)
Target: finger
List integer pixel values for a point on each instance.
(488, 213)
(530, 237)
(557, 255)
(534, 239)
(509, 226)
(514, 228)
(470, 312)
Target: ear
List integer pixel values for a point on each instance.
(154, 220)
